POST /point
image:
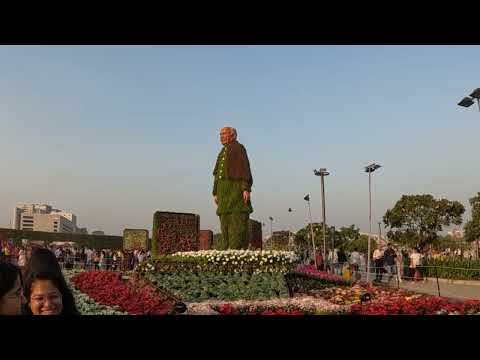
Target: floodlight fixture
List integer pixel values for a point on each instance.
(321, 172)
(469, 101)
(466, 102)
(372, 167)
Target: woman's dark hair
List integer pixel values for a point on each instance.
(68, 301)
(43, 260)
(8, 275)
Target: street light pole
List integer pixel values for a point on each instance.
(324, 222)
(379, 232)
(307, 199)
(369, 221)
(369, 169)
(290, 238)
(322, 173)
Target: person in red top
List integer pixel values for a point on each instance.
(319, 260)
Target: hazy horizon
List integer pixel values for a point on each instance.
(115, 133)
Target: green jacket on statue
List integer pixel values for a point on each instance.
(232, 176)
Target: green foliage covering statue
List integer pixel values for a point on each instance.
(231, 191)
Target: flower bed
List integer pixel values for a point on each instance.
(229, 309)
(417, 305)
(388, 301)
(225, 262)
(108, 288)
(346, 295)
(85, 304)
(320, 275)
(203, 286)
(300, 305)
(306, 278)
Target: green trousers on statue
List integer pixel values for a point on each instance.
(234, 231)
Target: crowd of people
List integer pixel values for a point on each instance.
(105, 259)
(387, 262)
(71, 257)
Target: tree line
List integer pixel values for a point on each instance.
(414, 221)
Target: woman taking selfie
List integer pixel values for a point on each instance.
(47, 293)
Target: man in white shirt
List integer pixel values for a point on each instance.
(88, 253)
(378, 262)
(140, 256)
(355, 262)
(415, 261)
(332, 259)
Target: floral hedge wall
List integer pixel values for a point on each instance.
(206, 240)
(135, 239)
(174, 232)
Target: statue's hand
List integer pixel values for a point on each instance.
(215, 199)
(246, 197)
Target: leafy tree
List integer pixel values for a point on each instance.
(361, 244)
(441, 243)
(472, 227)
(303, 237)
(346, 235)
(415, 220)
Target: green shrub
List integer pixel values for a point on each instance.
(452, 268)
(200, 286)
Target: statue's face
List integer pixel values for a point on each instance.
(226, 136)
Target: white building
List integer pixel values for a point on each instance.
(42, 217)
(456, 233)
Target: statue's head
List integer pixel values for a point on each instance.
(227, 135)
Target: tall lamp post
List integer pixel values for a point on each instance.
(379, 232)
(370, 169)
(290, 238)
(322, 173)
(468, 101)
(307, 199)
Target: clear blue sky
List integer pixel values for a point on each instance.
(113, 133)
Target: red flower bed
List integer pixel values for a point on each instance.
(107, 288)
(422, 305)
(229, 309)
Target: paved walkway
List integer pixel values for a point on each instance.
(454, 291)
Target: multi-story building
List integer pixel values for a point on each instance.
(42, 217)
(456, 233)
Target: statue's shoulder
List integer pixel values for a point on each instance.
(237, 145)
